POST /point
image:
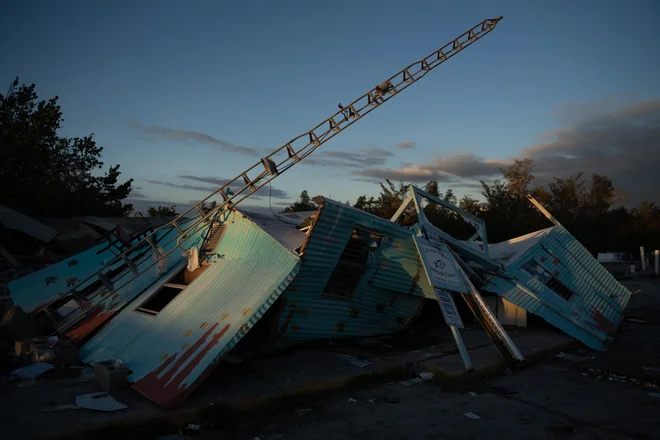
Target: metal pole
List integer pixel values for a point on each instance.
(641, 254)
(461, 348)
(657, 262)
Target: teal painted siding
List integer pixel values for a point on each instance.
(386, 298)
(593, 312)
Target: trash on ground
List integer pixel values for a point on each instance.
(99, 402)
(638, 321)
(303, 411)
(31, 371)
(392, 399)
(471, 415)
(353, 360)
(411, 382)
(426, 375)
(190, 430)
(473, 394)
(351, 400)
(561, 355)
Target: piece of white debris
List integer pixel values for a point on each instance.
(426, 375)
(411, 382)
(100, 402)
(473, 394)
(351, 400)
(471, 415)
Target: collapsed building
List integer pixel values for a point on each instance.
(172, 301)
(342, 273)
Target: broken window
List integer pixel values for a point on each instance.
(353, 263)
(163, 296)
(535, 269)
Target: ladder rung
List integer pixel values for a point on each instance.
(130, 264)
(153, 245)
(292, 152)
(106, 282)
(247, 181)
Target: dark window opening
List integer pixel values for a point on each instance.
(352, 264)
(559, 288)
(164, 295)
(535, 269)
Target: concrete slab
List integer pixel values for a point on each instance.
(487, 358)
(312, 371)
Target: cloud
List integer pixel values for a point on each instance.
(621, 144)
(206, 189)
(218, 182)
(406, 144)
(137, 194)
(214, 183)
(179, 135)
(410, 173)
(350, 159)
(265, 191)
(445, 169)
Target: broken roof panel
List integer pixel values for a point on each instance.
(46, 286)
(17, 221)
(560, 281)
(170, 353)
(506, 252)
(282, 227)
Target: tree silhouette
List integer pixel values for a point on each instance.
(45, 174)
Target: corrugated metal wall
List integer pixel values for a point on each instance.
(386, 298)
(592, 314)
(204, 321)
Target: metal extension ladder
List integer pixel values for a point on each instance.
(279, 161)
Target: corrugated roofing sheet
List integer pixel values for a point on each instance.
(23, 223)
(281, 227)
(70, 229)
(387, 297)
(506, 252)
(595, 310)
(36, 290)
(171, 353)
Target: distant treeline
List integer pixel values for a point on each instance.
(584, 206)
